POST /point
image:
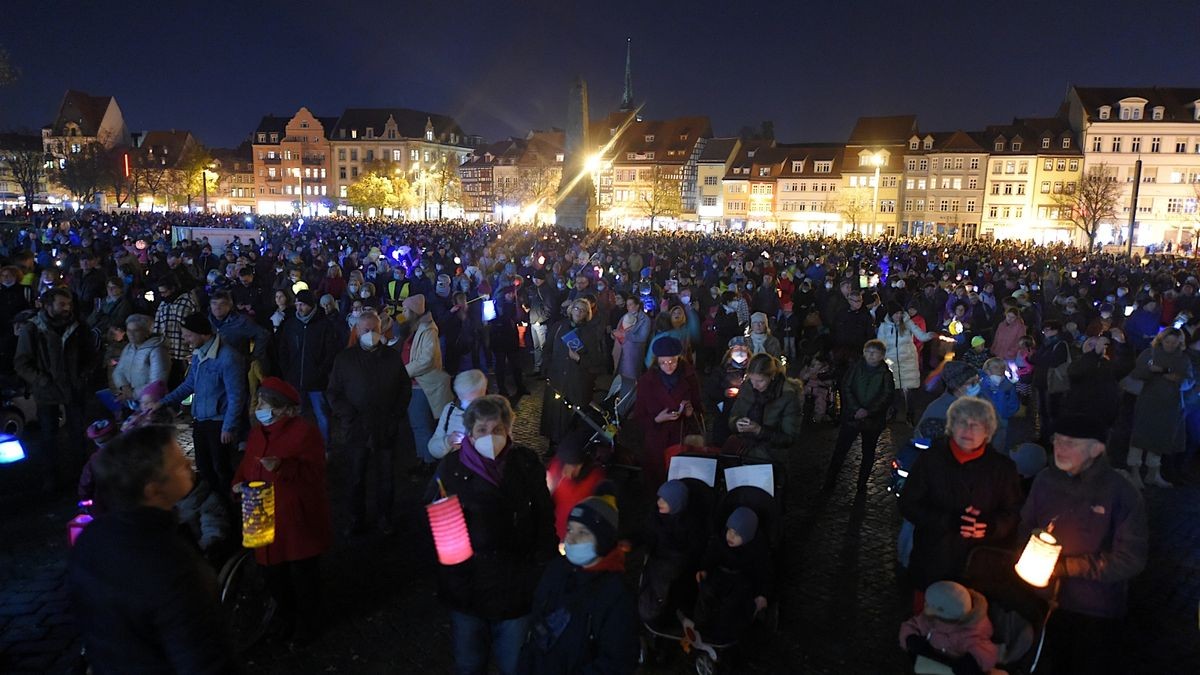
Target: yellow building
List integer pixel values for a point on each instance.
(1031, 163)
(711, 169)
(944, 184)
(875, 149)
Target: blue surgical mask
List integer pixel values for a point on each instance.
(581, 554)
(264, 415)
(973, 390)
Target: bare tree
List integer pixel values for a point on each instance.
(854, 205)
(505, 192)
(27, 163)
(8, 72)
(82, 173)
(663, 198)
(538, 186)
(150, 175)
(446, 186)
(1091, 202)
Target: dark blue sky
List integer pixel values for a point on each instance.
(503, 67)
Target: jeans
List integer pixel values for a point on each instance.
(475, 638)
(420, 418)
(320, 410)
(538, 330)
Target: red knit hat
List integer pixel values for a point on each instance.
(281, 387)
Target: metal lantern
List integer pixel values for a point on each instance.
(258, 514)
(449, 526)
(1037, 562)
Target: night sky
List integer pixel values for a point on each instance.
(503, 67)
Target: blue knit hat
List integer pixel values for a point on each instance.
(667, 346)
(744, 521)
(675, 494)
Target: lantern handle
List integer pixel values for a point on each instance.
(441, 488)
(1050, 525)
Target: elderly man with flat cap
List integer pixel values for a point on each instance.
(1100, 520)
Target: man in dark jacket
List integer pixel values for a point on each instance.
(504, 341)
(14, 299)
(542, 302)
(368, 388)
(851, 329)
(1052, 353)
(87, 285)
(1100, 520)
(306, 345)
(142, 596)
(247, 338)
(867, 392)
(56, 355)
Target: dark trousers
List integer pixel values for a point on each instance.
(506, 364)
(296, 587)
(361, 445)
(846, 435)
(177, 374)
(69, 455)
(1083, 645)
(213, 461)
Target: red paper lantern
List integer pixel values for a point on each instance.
(450, 535)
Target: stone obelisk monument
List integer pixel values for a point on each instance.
(576, 191)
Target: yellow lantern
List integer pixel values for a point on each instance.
(258, 514)
(956, 327)
(1037, 562)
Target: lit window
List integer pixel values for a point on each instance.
(1045, 143)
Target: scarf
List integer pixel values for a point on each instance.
(491, 470)
(613, 561)
(306, 319)
(669, 381)
(964, 456)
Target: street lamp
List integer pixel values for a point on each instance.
(877, 160)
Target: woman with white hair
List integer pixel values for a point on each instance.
(448, 434)
(761, 340)
(144, 359)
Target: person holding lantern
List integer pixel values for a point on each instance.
(668, 403)
(959, 496)
(583, 617)
(502, 489)
(766, 415)
(723, 385)
(1099, 519)
(287, 451)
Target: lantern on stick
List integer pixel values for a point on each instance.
(258, 514)
(1037, 561)
(955, 327)
(449, 526)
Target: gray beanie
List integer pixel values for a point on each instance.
(675, 494)
(947, 600)
(956, 373)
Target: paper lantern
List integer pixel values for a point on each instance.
(1039, 558)
(956, 327)
(450, 535)
(258, 514)
(76, 524)
(11, 449)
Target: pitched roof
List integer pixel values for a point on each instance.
(409, 124)
(719, 149)
(891, 130)
(273, 123)
(1178, 102)
(1029, 131)
(240, 159)
(671, 140)
(83, 109)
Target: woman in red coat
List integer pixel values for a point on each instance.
(287, 451)
(668, 405)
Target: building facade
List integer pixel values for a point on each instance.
(944, 184)
(1160, 126)
(17, 152)
(806, 190)
(292, 164)
(876, 147)
(236, 192)
(83, 120)
(1032, 163)
(711, 168)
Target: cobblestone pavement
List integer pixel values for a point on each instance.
(841, 603)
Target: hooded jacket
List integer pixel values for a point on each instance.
(971, 635)
(55, 361)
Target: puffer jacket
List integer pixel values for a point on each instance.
(972, 635)
(782, 411)
(902, 355)
(142, 364)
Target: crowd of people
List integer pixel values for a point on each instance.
(374, 344)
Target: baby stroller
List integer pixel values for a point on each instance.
(1018, 611)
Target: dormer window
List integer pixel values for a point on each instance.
(370, 132)
(683, 137)
(999, 147)
(1105, 112)
(1132, 108)
(354, 133)
(913, 144)
(1016, 146)
(274, 138)
(764, 171)
(1045, 143)
(1157, 113)
(1066, 143)
(649, 138)
(303, 124)
(797, 166)
(558, 157)
(1196, 110)
(262, 138)
(928, 144)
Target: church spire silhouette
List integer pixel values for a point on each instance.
(627, 98)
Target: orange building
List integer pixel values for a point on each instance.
(292, 169)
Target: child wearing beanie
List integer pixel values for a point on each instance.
(735, 579)
(675, 540)
(953, 628)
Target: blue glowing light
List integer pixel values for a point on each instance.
(11, 449)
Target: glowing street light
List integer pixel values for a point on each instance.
(877, 160)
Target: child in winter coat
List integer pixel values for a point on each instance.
(675, 541)
(572, 476)
(1025, 349)
(995, 387)
(977, 354)
(99, 433)
(788, 325)
(818, 387)
(735, 580)
(953, 628)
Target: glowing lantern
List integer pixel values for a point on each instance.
(11, 449)
(450, 535)
(258, 514)
(956, 327)
(1039, 558)
(76, 524)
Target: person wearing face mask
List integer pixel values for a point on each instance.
(287, 451)
(723, 385)
(959, 495)
(490, 596)
(995, 386)
(583, 616)
(396, 291)
(630, 339)
(304, 349)
(574, 358)
(56, 355)
(368, 385)
(422, 354)
(959, 380)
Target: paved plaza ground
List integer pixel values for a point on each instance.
(841, 604)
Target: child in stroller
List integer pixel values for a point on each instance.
(819, 386)
(675, 540)
(953, 628)
(735, 579)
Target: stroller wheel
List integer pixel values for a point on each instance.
(705, 665)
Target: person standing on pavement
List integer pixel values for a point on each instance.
(585, 588)
(450, 430)
(286, 451)
(668, 407)
(541, 302)
(422, 353)
(56, 355)
(250, 340)
(505, 344)
(1158, 417)
(142, 596)
(305, 346)
(571, 370)
(144, 359)
(510, 518)
(174, 306)
(216, 381)
(368, 389)
(959, 495)
(867, 391)
(1100, 520)
(766, 416)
